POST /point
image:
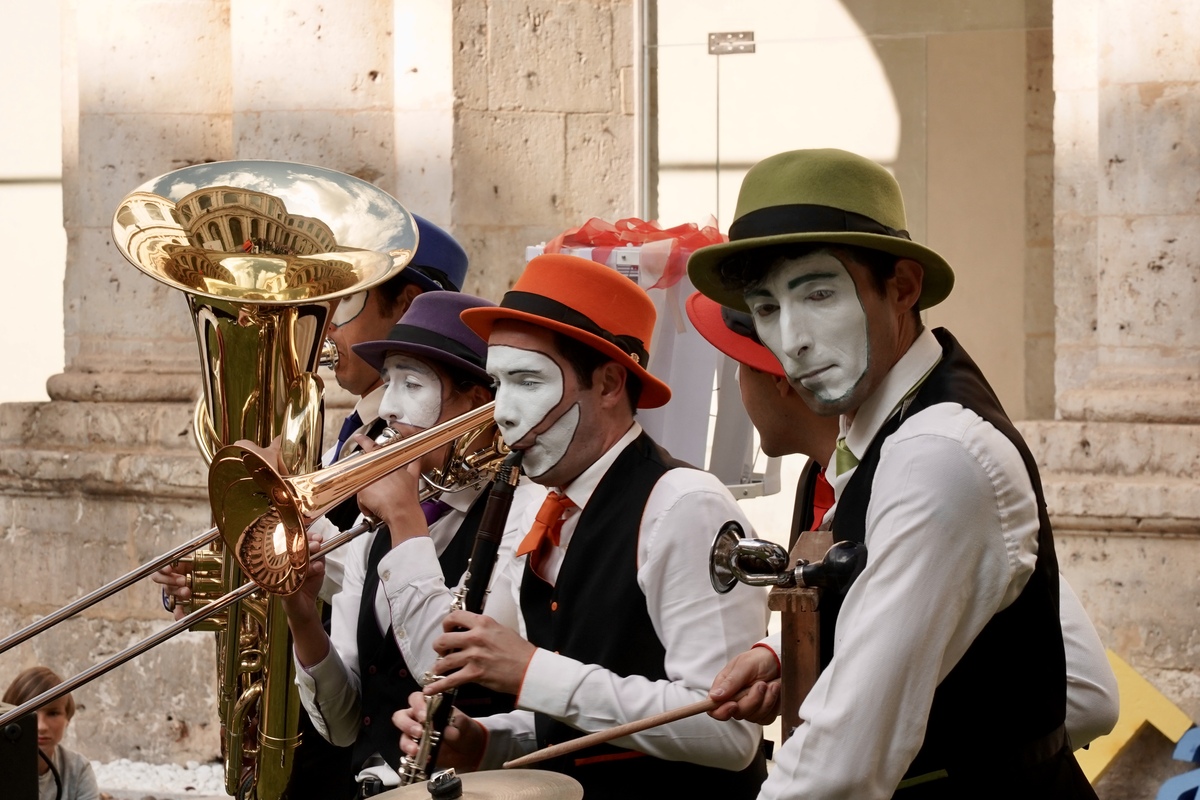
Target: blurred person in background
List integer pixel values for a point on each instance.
(57, 766)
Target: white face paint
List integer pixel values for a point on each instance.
(413, 393)
(529, 387)
(349, 308)
(550, 447)
(808, 313)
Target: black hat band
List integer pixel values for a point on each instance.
(806, 218)
(410, 334)
(542, 306)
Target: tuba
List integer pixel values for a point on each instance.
(263, 251)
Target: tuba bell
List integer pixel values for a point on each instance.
(263, 251)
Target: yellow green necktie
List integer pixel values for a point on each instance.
(843, 459)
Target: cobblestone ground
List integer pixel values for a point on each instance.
(133, 780)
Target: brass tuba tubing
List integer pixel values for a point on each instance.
(263, 252)
(107, 590)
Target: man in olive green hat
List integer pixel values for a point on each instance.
(944, 671)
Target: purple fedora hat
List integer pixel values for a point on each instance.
(431, 329)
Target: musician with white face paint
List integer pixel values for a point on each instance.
(944, 663)
(617, 618)
(383, 625)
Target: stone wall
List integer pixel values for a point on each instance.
(1120, 462)
(505, 121)
(544, 125)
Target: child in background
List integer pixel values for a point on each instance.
(74, 771)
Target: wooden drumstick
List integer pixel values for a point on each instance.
(628, 728)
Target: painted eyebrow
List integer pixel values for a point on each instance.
(811, 276)
(411, 365)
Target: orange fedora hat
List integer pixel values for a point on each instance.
(588, 302)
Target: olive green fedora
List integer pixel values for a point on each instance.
(818, 196)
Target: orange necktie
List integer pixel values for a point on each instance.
(547, 525)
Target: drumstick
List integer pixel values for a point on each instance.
(608, 734)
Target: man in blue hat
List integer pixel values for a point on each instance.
(355, 676)
(439, 264)
(944, 664)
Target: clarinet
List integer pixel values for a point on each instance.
(470, 596)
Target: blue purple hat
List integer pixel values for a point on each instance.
(431, 329)
(439, 263)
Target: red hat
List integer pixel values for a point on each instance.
(731, 332)
(588, 302)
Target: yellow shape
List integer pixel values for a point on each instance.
(1141, 703)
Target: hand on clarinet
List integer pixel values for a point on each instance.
(478, 649)
(463, 740)
(757, 672)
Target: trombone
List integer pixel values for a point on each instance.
(277, 506)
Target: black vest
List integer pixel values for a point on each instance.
(385, 678)
(1009, 689)
(597, 614)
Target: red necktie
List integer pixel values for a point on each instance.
(547, 526)
(822, 499)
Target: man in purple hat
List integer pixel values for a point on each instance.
(353, 678)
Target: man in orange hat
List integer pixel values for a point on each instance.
(947, 672)
(618, 620)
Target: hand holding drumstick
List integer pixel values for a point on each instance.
(750, 681)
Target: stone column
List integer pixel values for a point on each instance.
(506, 121)
(543, 135)
(1121, 460)
(104, 476)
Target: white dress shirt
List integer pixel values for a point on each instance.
(699, 629)
(330, 688)
(951, 535)
(335, 563)
(1092, 699)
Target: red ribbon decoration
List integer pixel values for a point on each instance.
(664, 251)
